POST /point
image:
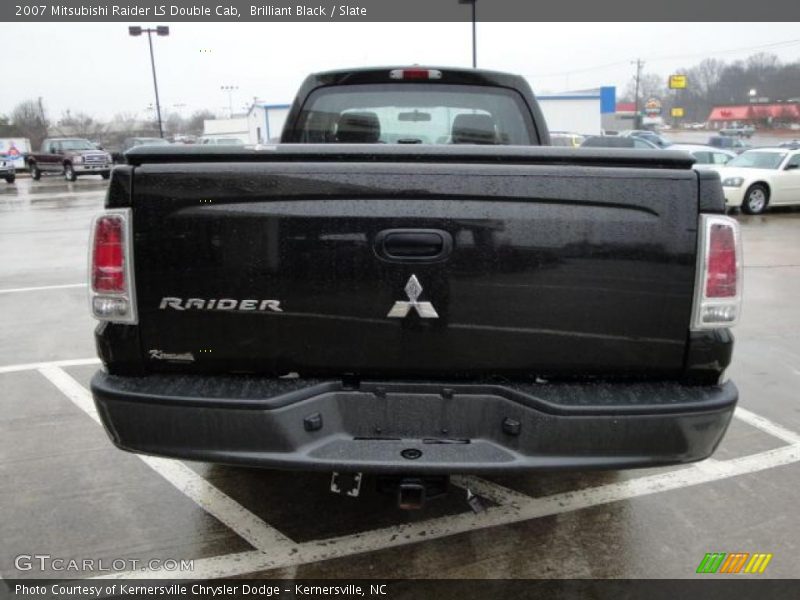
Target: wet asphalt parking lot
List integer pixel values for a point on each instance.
(67, 492)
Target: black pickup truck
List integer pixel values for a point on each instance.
(414, 283)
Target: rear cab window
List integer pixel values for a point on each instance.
(421, 113)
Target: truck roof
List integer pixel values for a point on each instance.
(452, 75)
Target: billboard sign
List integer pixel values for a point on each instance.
(677, 82)
(652, 108)
(15, 150)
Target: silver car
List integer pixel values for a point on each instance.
(706, 157)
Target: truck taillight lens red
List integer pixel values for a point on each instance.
(111, 268)
(722, 271)
(718, 287)
(108, 267)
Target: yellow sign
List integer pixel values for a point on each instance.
(677, 111)
(677, 82)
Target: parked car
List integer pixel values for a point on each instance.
(221, 141)
(132, 142)
(651, 136)
(71, 157)
(744, 131)
(706, 157)
(415, 309)
(728, 143)
(793, 145)
(618, 141)
(7, 170)
(183, 138)
(760, 178)
(564, 138)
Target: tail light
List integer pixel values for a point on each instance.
(421, 74)
(718, 287)
(111, 292)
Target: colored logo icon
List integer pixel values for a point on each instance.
(735, 562)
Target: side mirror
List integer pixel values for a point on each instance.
(790, 167)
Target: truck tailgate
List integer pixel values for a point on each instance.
(544, 270)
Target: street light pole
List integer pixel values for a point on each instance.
(155, 83)
(161, 30)
(474, 32)
(229, 89)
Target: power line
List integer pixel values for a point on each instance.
(674, 57)
(730, 51)
(584, 70)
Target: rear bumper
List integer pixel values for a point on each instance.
(455, 428)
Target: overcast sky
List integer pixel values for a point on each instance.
(99, 69)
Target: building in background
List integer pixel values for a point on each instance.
(581, 111)
(235, 127)
(779, 115)
(265, 122)
(262, 124)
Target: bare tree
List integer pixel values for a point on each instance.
(174, 123)
(6, 128)
(124, 125)
(762, 62)
(650, 86)
(713, 82)
(125, 122)
(81, 124)
(705, 76)
(28, 118)
(195, 123)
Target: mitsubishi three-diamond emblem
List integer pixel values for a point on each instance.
(413, 290)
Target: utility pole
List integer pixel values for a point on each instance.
(636, 118)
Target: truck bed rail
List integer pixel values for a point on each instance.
(507, 155)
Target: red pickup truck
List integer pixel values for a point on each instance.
(70, 157)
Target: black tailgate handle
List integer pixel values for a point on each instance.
(413, 244)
